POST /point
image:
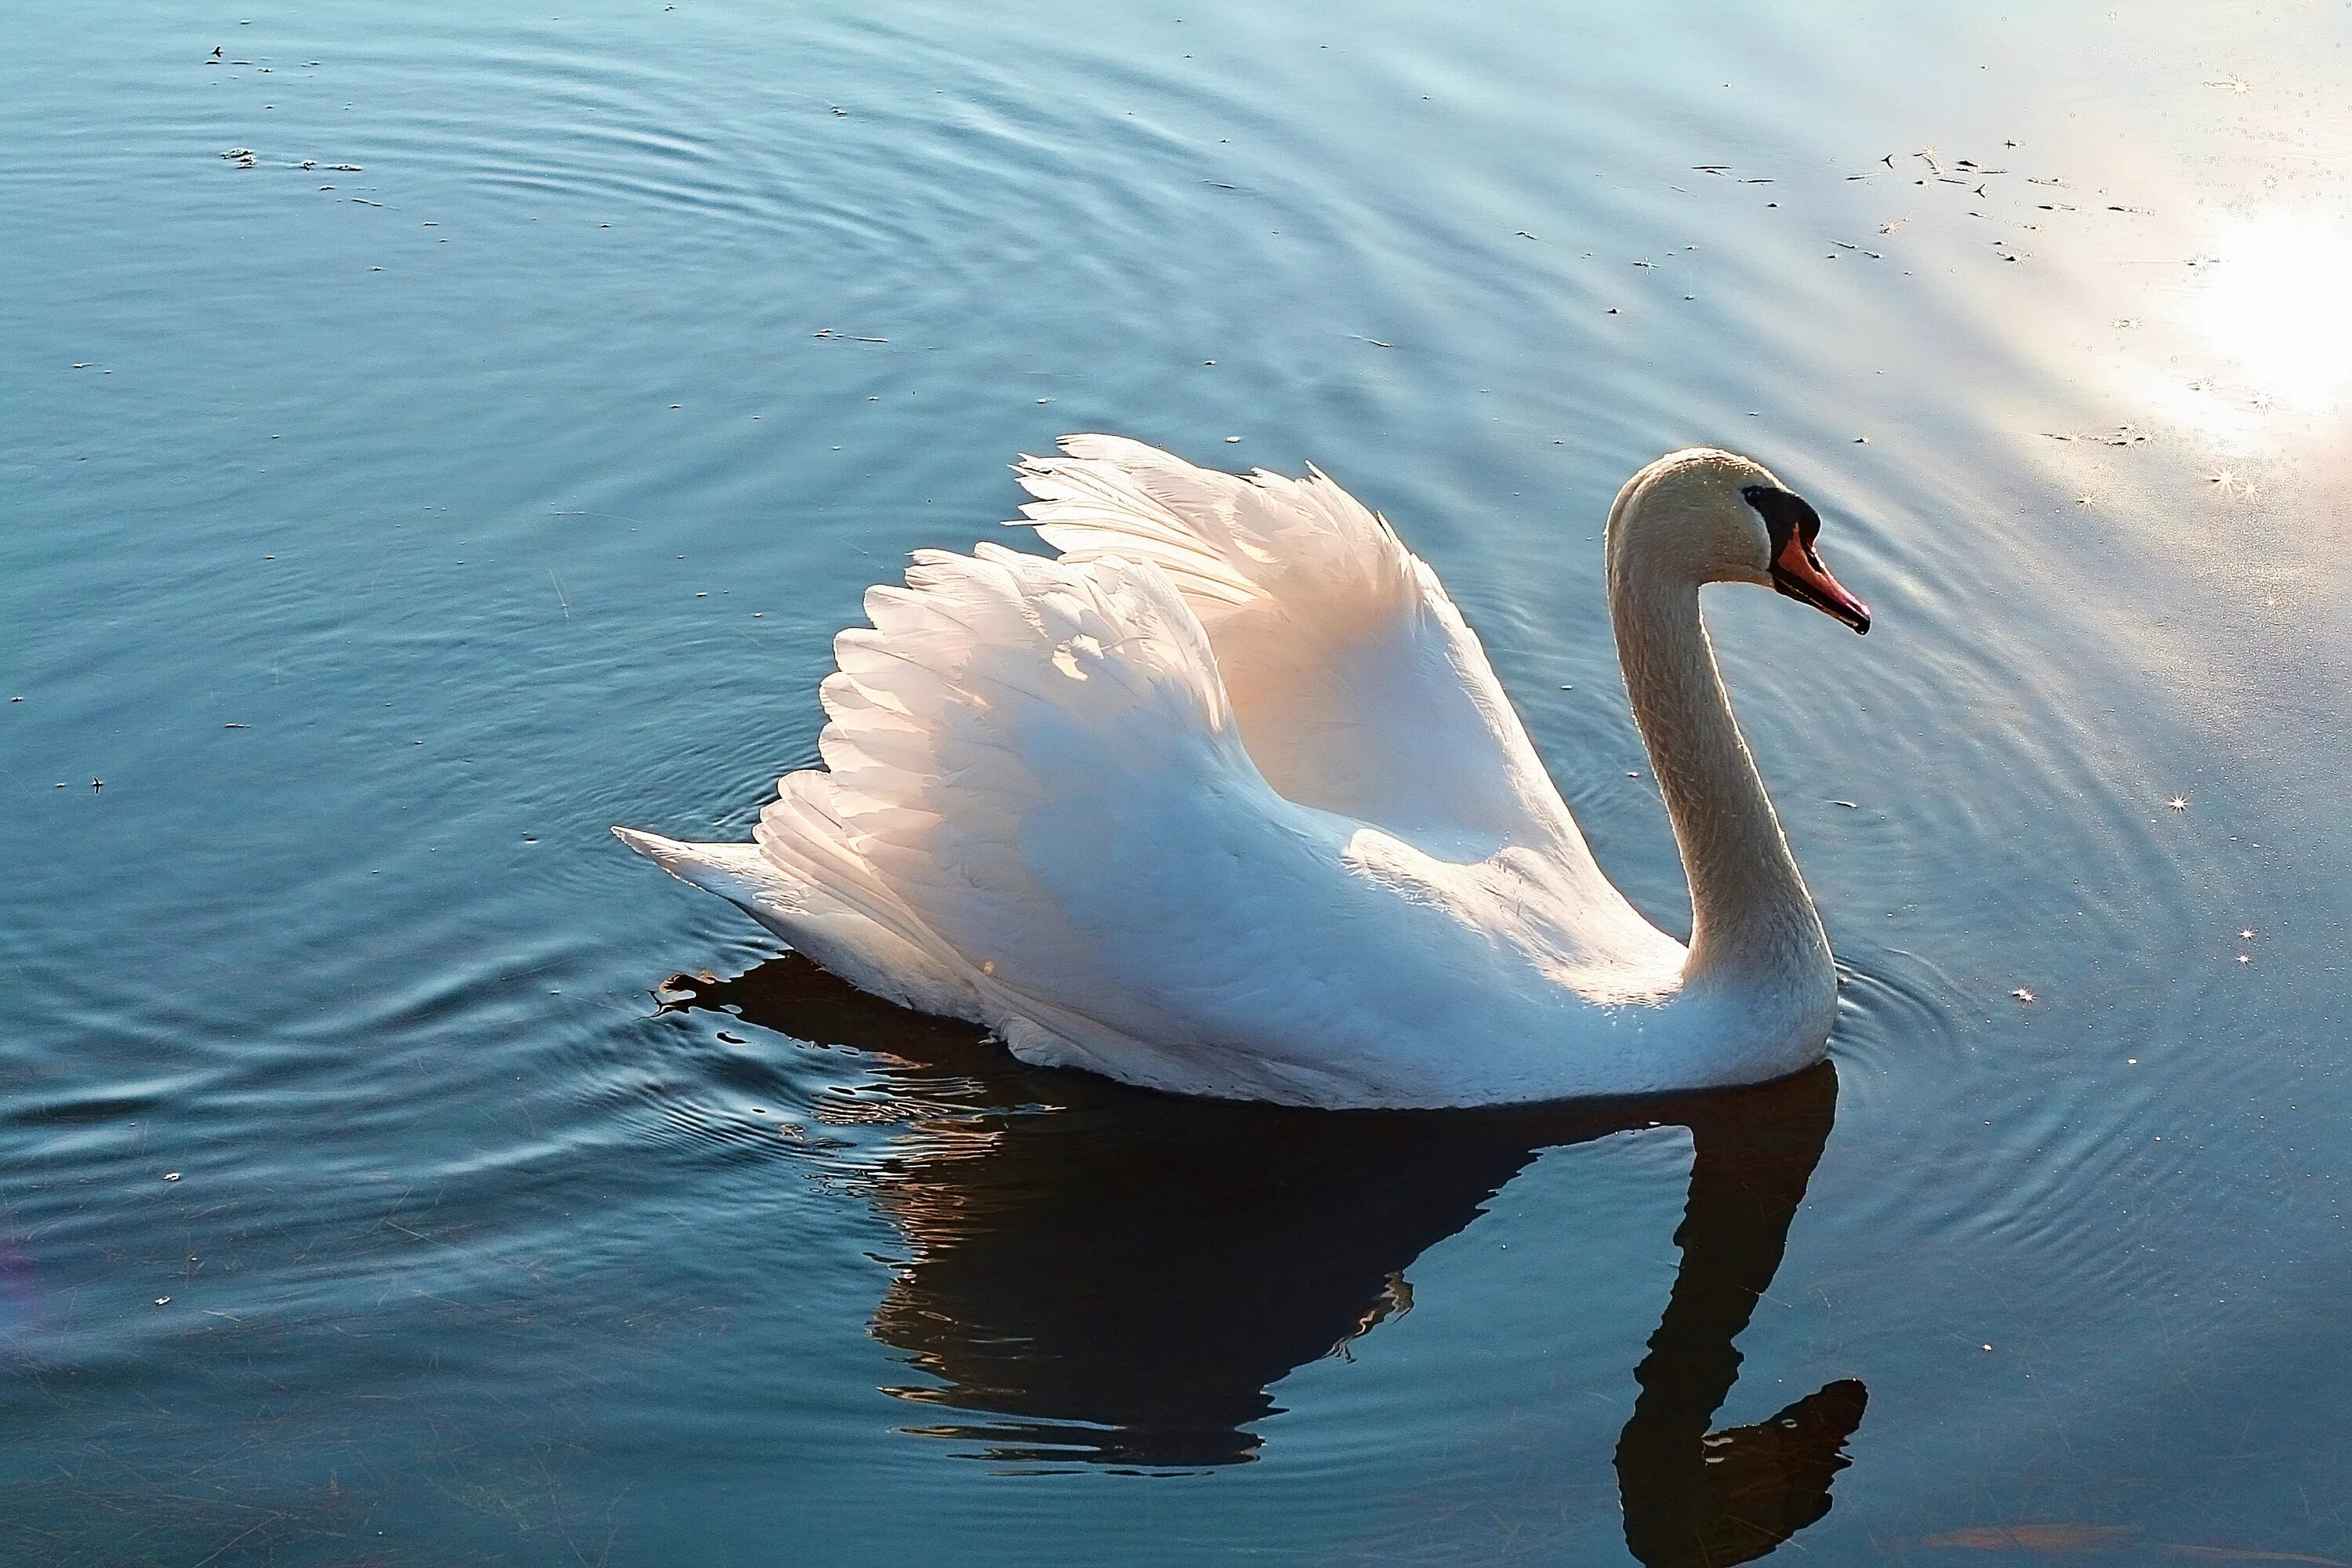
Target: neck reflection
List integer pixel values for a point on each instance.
(1123, 1277)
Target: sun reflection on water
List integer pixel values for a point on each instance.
(2276, 298)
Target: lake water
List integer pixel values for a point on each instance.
(488, 458)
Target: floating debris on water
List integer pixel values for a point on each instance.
(2034, 1537)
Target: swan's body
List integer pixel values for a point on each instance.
(1227, 801)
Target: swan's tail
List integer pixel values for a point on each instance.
(818, 923)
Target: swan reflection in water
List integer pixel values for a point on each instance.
(1121, 1278)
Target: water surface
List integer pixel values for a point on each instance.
(374, 536)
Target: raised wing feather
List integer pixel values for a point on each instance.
(1355, 682)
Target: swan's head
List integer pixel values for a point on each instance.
(1710, 516)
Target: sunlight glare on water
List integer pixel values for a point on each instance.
(2278, 304)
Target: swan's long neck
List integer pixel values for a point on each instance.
(1751, 918)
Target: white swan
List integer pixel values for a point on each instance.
(1227, 801)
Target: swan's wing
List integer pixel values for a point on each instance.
(1034, 781)
(1356, 683)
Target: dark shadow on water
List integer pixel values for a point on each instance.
(1101, 1275)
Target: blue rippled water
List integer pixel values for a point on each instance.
(434, 434)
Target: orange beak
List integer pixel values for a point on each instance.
(1799, 573)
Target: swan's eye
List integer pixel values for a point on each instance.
(1785, 516)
